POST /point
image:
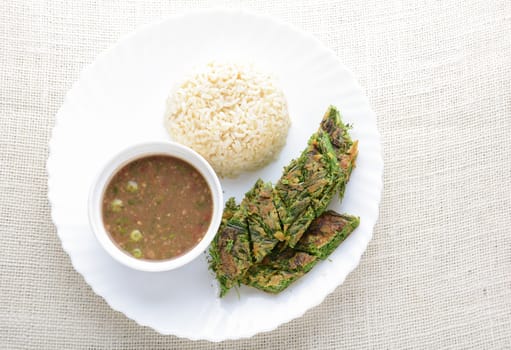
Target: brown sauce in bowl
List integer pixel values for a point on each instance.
(157, 207)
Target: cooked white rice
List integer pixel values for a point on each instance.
(232, 114)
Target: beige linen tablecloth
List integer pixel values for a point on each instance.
(437, 274)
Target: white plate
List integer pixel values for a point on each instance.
(120, 100)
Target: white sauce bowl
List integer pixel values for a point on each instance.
(127, 156)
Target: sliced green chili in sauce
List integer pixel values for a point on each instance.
(157, 207)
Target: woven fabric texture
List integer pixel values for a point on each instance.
(437, 274)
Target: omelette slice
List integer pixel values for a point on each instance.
(230, 255)
(326, 233)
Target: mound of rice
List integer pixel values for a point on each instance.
(232, 114)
